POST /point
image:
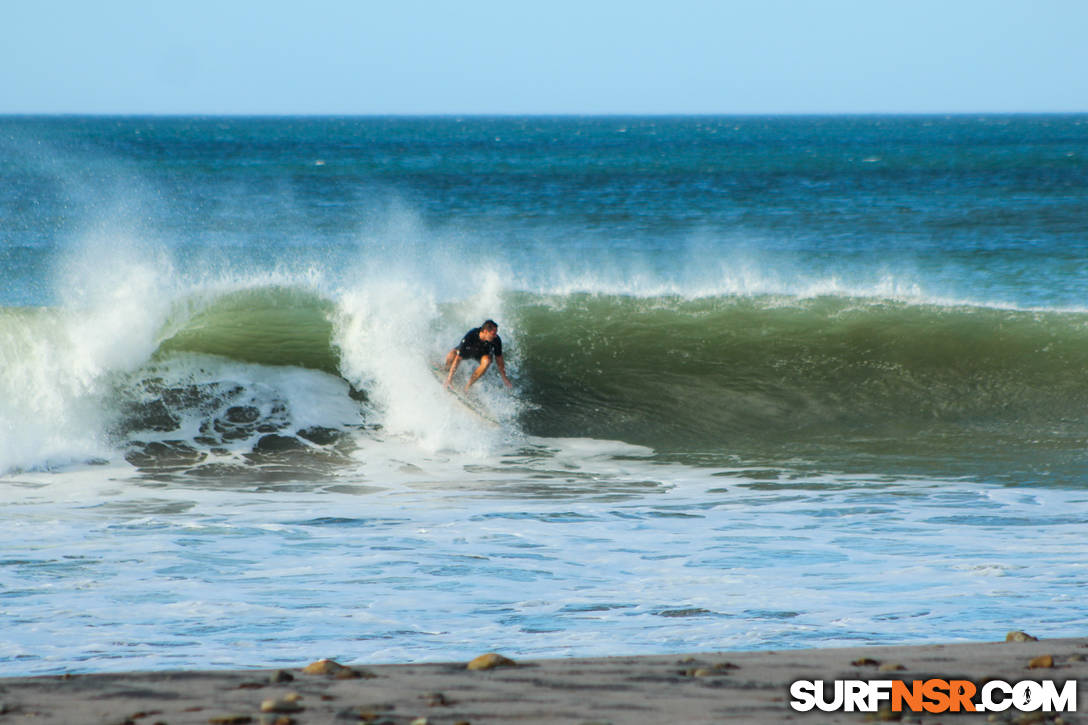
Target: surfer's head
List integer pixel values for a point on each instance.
(489, 330)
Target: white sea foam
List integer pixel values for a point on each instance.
(575, 551)
(120, 298)
(389, 337)
(60, 363)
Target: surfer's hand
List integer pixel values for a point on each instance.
(507, 382)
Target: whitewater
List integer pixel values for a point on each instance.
(749, 412)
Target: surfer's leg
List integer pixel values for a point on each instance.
(449, 359)
(485, 363)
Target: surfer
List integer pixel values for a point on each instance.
(480, 343)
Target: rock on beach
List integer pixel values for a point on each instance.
(490, 661)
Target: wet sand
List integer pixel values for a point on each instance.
(717, 687)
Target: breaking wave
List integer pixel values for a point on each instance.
(266, 373)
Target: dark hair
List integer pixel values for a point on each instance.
(489, 325)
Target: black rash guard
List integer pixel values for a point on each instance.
(473, 347)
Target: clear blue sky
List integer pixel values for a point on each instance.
(559, 56)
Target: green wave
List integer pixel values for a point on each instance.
(268, 325)
(707, 373)
(732, 372)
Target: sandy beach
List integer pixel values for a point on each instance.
(741, 687)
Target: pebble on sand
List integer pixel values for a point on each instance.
(490, 661)
(322, 667)
(1018, 636)
(335, 669)
(282, 704)
(718, 669)
(1041, 662)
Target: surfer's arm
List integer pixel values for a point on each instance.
(453, 367)
(502, 371)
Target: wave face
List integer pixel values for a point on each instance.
(769, 373)
(265, 372)
(683, 374)
(267, 325)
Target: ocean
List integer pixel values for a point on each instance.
(779, 382)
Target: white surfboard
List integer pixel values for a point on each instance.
(470, 404)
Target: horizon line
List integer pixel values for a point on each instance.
(556, 115)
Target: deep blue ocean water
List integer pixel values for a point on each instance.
(779, 382)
